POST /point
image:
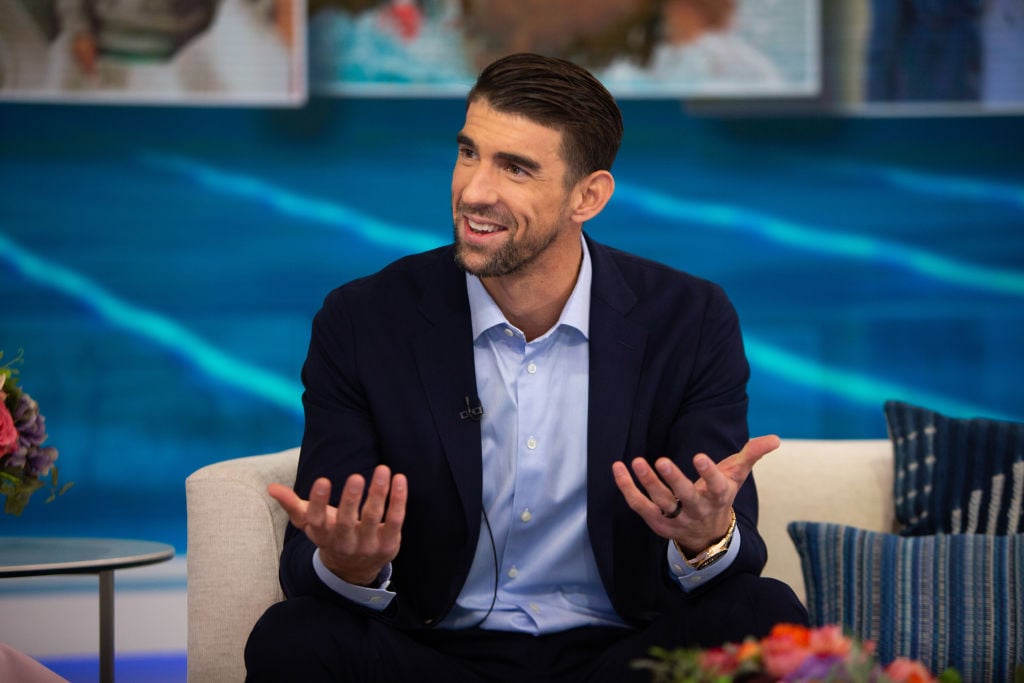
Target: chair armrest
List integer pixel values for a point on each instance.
(235, 535)
(846, 481)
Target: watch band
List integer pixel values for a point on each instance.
(713, 552)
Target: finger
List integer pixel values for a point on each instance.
(717, 485)
(391, 530)
(679, 485)
(376, 499)
(652, 485)
(739, 465)
(760, 446)
(624, 480)
(396, 503)
(351, 498)
(319, 496)
(722, 479)
(637, 500)
(290, 501)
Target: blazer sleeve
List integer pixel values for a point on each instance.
(338, 440)
(713, 417)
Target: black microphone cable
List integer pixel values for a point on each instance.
(494, 556)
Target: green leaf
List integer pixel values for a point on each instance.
(953, 676)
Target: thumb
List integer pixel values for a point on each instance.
(760, 446)
(742, 463)
(290, 501)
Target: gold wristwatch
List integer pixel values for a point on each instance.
(713, 552)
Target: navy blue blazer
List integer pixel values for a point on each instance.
(389, 368)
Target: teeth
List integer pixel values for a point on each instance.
(482, 227)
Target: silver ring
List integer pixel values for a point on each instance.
(676, 512)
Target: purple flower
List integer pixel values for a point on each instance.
(820, 668)
(30, 424)
(31, 428)
(39, 461)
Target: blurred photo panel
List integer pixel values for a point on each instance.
(154, 51)
(925, 55)
(639, 48)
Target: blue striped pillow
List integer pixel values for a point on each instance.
(955, 475)
(947, 600)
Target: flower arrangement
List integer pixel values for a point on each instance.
(24, 461)
(790, 654)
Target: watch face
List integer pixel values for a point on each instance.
(711, 559)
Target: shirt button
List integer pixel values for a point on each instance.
(509, 332)
(531, 368)
(535, 608)
(513, 573)
(526, 516)
(531, 443)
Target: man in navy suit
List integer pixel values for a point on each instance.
(526, 454)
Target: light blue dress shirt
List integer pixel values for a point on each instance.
(533, 559)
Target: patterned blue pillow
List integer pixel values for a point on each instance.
(947, 600)
(956, 475)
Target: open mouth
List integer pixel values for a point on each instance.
(480, 228)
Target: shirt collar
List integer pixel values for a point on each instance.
(485, 314)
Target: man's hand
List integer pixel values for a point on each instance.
(706, 503)
(354, 544)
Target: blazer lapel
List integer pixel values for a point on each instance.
(617, 348)
(444, 357)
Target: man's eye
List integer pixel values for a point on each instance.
(466, 153)
(515, 170)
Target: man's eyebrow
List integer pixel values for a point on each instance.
(516, 159)
(520, 161)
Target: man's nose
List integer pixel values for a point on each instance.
(481, 187)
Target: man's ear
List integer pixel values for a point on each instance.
(591, 194)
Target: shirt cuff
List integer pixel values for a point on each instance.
(376, 599)
(690, 578)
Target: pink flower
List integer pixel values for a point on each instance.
(829, 640)
(785, 648)
(903, 670)
(8, 432)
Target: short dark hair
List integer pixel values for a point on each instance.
(561, 95)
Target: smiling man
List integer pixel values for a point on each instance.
(526, 454)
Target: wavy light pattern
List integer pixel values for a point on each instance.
(159, 329)
(230, 371)
(332, 214)
(852, 386)
(807, 238)
(945, 187)
(223, 367)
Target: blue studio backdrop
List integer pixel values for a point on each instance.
(160, 268)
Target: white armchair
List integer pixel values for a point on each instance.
(235, 534)
(236, 530)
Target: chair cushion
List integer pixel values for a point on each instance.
(947, 600)
(955, 475)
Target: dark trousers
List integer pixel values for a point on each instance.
(304, 639)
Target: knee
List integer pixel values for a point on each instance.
(769, 602)
(745, 605)
(270, 645)
(296, 640)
